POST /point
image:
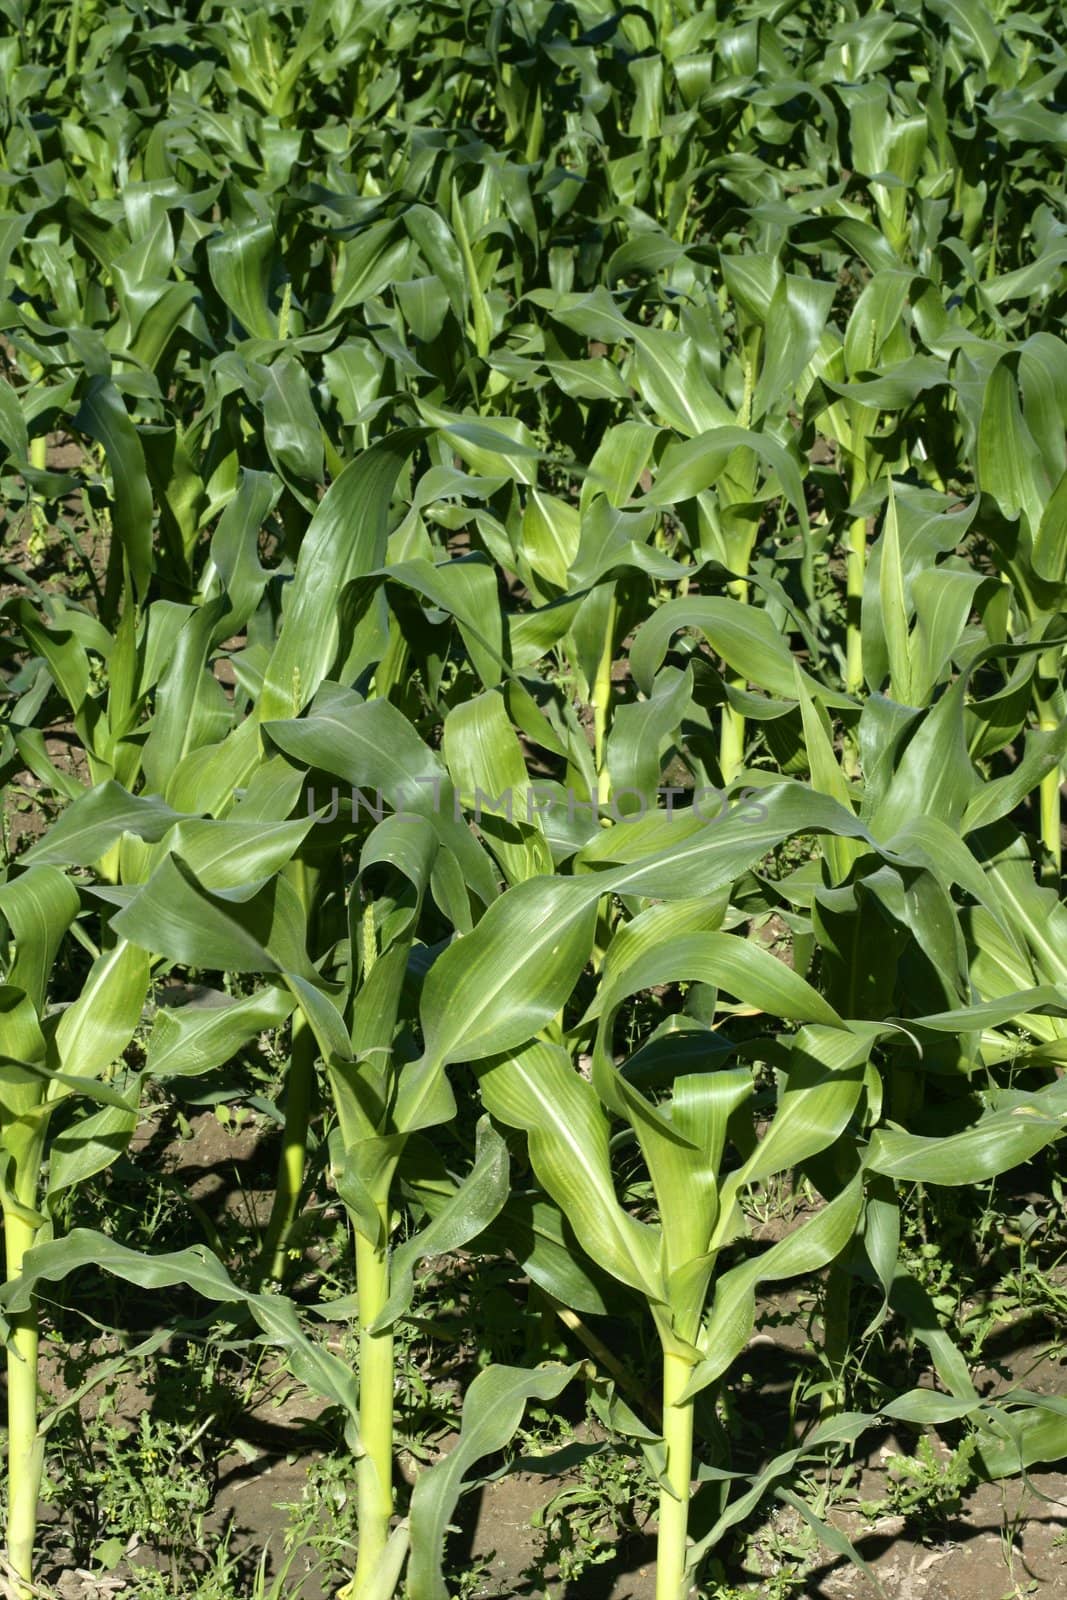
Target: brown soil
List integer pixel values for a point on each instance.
(221, 1170)
(1008, 1541)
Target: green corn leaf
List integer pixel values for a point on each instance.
(240, 261)
(1009, 463)
(1050, 541)
(998, 1141)
(539, 1091)
(95, 1028)
(477, 1201)
(189, 1040)
(38, 906)
(492, 1410)
(894, 609)
(371, 746)
(88, 1146)
(346, 540)
(257, 929)
(103, 417)
(808, 1247)
(743, 635)
(485, 762)
(197, 1269)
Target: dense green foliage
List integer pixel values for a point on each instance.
(504, 501)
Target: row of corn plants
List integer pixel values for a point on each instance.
(501, 502)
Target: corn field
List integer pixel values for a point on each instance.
(533, 615)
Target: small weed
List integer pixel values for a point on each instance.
(323, 1520)
(781, 1549)
(116, 1487)
(928, 1487)
(607, 1497)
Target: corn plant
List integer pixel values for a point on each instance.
(544, 491)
